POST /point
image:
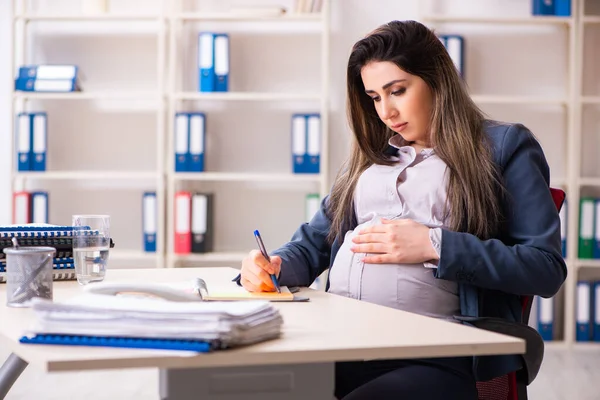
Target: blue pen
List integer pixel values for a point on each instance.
(261, 246)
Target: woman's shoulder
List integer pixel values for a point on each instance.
(507, 137)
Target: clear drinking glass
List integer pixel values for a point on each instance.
(91, 241)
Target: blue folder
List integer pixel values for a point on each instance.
(542, 7)
(123, 342)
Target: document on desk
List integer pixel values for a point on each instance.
(231, 291)
(222, 324)
(192, 290)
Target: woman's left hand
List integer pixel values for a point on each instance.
(401, 241)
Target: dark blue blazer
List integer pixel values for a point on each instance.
(523, 259)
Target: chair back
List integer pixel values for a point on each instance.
(509, 387)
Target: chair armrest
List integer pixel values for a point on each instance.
(534, 344)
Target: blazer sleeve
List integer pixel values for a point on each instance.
(308, 252)
(528, 259)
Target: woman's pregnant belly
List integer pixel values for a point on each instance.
(408, 287)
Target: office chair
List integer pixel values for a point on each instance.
(513, 386)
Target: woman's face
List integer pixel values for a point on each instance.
(403, 101)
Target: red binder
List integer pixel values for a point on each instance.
(21, 208)
(183, 223)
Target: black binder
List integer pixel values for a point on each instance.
(202, 222)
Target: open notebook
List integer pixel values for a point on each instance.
(194, 290)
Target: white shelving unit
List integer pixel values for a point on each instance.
(22, 19)
(177, 97)
(165, 99)
(572, 105)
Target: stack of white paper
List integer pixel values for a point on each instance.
(224, 323)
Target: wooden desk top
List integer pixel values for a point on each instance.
(327, 328)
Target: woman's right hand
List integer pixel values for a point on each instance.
(256, 272)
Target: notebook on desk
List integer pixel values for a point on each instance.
(193, 290)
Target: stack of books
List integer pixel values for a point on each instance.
(143, 322)
(31, 235)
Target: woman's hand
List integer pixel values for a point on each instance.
(401, 241)
(256, 272)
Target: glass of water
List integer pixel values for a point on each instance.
(91, 241)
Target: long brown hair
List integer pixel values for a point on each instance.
(456, 126)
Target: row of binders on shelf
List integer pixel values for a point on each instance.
(31, 141)
(587, 313)
(213, 62)
(190, 142)
(30, 207)
(47, 78)
(589, 228)
(194, 220)
(560, 8)
(194, 230)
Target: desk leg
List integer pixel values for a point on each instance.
(273, 382)
(10, 372)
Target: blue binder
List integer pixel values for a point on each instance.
(221, 62)
(542, 7)
(596, 311)
(545, 318)
(196, 140)
(299, 133)
(49, 71)
(23, 142)
(455, 46)
(562, 8)
(124, 342)
(39, 207)
(182, 145)
(45, 85)
(206, 62)
(149, 208)
(39, 128)
(583, 311)
(313, 143)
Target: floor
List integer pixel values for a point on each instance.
(565, 375)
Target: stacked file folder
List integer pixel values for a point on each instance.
(47, 78)
(126, 321)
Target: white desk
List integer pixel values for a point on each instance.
(317, 333)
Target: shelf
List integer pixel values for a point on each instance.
(245, 96)
(590, 99)
(531, 20)
(583, 181)
(588, 263)
(75, 175)
(245, 177)
(86, 95)
(113, 95)
(211, 257)
(539, 100)
(126, 255)
(555, 345)
(586, 346)
(591, 19)
(249, 16)
(91, 17)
